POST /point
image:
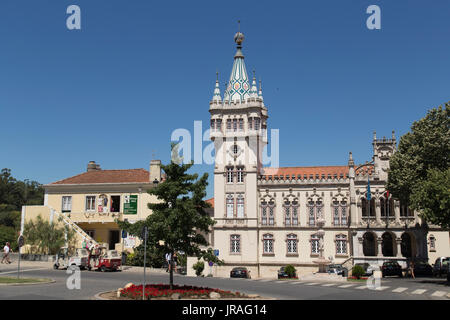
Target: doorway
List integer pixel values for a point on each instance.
(114, 237)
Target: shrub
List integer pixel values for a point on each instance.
(290, 270)
(357, 271)
(198, 267)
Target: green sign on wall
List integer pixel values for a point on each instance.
(130, 204)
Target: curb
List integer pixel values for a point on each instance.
(97, 296)
(28, 284)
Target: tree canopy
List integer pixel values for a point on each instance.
(419, 170)
(179, 217)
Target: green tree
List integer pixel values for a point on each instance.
(421, 162)
(357, 271)
(179, 217)
(199, 266)
(45, 237)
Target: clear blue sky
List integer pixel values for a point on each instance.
(114, 91)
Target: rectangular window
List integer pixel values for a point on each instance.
(66, 204)
(115, 203)
(341, 244)
(228, 124)
(263, 214)
(344, 215)
(240, 206)
(250, 123)
(213, 128)
(295, 215)
(90, 203)
(271, 216)
(314, 245)
(312, 217)
(240, 174)
(287, 215)
(235, 125)
(292, 244)
(268, 243)
(235, 243)
(230, 206)
(257, 123)
(229, 174)
(219, 125)
(241, 124)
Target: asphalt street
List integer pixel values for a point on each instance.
(94, 282)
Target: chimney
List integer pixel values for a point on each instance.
(92, 166)
(155, 171)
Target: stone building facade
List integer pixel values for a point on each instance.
(267, 217)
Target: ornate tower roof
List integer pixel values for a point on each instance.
(216, 96)
(238, 88)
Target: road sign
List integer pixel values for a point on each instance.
(211, 263)
(130, 204)
(124, 234)
(216, 252)
(21, 241)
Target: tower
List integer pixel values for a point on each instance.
(238, 129)
(383, 149)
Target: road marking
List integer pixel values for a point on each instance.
(311, 284)
(15, 271)
(438, 293)
(329, 284)
(347, 285)
(381, 288)
(362, 287)
(418, 291)
(399, 289)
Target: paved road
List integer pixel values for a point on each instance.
(94, 282)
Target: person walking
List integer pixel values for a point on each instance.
(168, 258)
(6, 251)
(411, 270)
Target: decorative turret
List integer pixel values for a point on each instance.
(254, 89)
(238, 89)
(383, 149)
(260, 91)
(216, 96)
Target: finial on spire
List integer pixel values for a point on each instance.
(393, 135)
(239, 37)
(216, 96)
(254, 88)
(351, 163)
(374, 135)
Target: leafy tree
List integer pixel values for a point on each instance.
(47, 237)
(179, 217)
(7, 234)
(199, 266)
(154, 257)
(290, 270)
(358, 271)
(421, 164)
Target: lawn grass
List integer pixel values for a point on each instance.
(12, 280)
(357, 280)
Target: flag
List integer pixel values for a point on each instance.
(368, 190)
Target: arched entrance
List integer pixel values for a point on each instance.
(387, 245)
(408, 245)
(369, 244)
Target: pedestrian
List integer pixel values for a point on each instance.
(175, 260)
(411, 270)
(6, 251)
(168, 258)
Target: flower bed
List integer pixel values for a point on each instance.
(163, 290)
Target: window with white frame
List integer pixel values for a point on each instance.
(240, 206)
(264, 213)
(287, 213)
(311, 213)
(314, 244)
(230, 174)
(268, 243)
(432, 243)
(90, 203)
(344, 213)
(219, 125)
(341, 244)
(294, 207)
(230, 206)
(240, 174)
(228, 124)
(235, 124)
(66, 205)
(291, 243)
(339, 213)
(241, 124)
(271, 213)
(235, 243)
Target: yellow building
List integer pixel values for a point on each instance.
(91, 201)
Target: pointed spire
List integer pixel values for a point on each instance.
(216, 96)
(260, 90)
(254, 89)
(238, 88)
(351, 163)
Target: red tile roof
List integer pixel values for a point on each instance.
(108, 176)
(211, 202)
(308, 171)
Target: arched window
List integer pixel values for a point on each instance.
(369, 244)
(235, 243)
(268, 243)
(264, 213)
(405, 211)
(314, 244)
(287, 213)
(366, 210)
(314, 211)
(240, 206)
(291, 243)
(230, 206)
(341, 244)
(387, 206)
(339, 213)
(267, 212)
(294, 207)
(271, 212)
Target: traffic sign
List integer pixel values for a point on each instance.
(216, 252)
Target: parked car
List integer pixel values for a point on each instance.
(240, 272)
(422, 268)
(440, 266)
(64, 259)
(368, 268)
(448, 272)
(282, 273)
(337, 269)
(105, 260)
(391, 268)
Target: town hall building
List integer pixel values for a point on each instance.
(268, 217)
